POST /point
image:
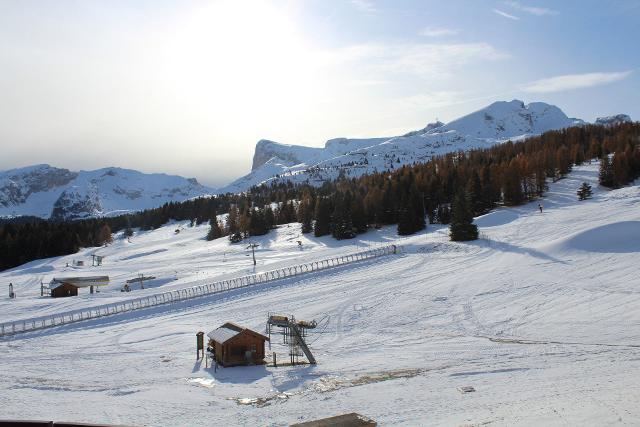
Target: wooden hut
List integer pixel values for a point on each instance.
(64, 290)
(68, 286)
(234, 345)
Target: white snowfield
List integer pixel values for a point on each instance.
(541, 316)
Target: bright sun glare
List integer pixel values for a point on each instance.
(232, 58)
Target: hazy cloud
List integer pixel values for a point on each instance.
(419, 59)
(437, 32)
(364, 6)
(506, 15)
(574, 81)
(532, 10)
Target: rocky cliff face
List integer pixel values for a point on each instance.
(286, 154)
(77, 203)
(18, 184)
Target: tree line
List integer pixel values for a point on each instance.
(409, 197)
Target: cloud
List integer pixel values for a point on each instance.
(574, 81)
(364, 6)
(506, 15)
(434, 60)
(538, 11)
(428, 100)
(437, 32)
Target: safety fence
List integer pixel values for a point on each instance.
(64, 318)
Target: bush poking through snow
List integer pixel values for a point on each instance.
(584, 192)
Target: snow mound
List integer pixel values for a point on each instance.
(618, 237)
(497, 218)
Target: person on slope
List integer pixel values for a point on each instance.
(540, 207)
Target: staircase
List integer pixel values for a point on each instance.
(301, 343)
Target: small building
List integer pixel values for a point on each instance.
(68, 286)
(62, 289)
(234, 345)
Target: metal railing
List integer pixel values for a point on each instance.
(64, 318)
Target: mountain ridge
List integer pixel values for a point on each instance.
(60, 194)
(493, 124)
(49, 192)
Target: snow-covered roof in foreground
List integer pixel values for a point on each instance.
(228, 331)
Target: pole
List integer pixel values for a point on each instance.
(426, 217)
(253, 247)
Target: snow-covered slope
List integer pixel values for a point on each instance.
(491, 125)
(540, 316)
(46, 191)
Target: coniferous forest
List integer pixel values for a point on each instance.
(410, 197)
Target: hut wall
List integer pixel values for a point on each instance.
(234, 351)
(65, 290)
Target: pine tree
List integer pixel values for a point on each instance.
(322, 215)
(104, 236)
(584, 192)
(128, 231)
(305, 214)
(606, 176)
(341, 222)
(215, 231)
(358, 214)
(269, 217)
(474, 189)
(512, 185)
(232, 220)
(462, 227)
(244, 222)
(411, 215)
(257, 224)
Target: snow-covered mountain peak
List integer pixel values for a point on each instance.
(613, 120)
(429, 128)
(496, 123)
(46, 191)
(509, 119)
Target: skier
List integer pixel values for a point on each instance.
(540, 207)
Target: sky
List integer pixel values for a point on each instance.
(188, 87)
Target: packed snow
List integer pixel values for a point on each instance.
(541, 317)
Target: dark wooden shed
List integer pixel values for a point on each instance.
(234, 345)
(68, 286)
(64, 290)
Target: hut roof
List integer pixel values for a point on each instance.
(230, 330)
(79, 282)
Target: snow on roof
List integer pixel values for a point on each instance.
(229, 330)
(80, 282)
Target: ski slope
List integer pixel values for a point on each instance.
(541, 316)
